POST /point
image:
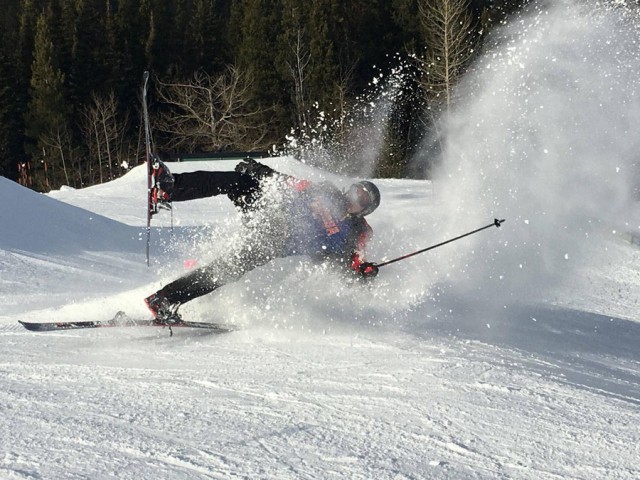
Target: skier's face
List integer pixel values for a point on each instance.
(358, 200)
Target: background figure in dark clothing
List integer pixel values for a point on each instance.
(284, 215)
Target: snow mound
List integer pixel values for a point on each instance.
(39, 224)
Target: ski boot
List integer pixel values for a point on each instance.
(163, 311)
(162, 183)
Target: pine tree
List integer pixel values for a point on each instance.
(46, 108)
(61, 19)
(11, 98)
(90, 69)
(26, 36)
(129, 59)
(404, 14)
(308, 60)
(24, 56)
(159, 48)
(324, 70)
(256, 54)
(205, 38)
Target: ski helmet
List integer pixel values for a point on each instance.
(365, 194)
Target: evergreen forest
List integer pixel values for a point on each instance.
(288, 76)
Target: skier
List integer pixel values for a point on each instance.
(284, 215)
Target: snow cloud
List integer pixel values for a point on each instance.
(545, 136)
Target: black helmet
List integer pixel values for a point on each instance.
(365, 194)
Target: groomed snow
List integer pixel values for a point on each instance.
(403, 379)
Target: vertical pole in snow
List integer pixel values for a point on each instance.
(147, 139)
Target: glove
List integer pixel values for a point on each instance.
(257, 170)
(368, 270)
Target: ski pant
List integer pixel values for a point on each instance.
(194, 185)
(265, 243)
(221, 271)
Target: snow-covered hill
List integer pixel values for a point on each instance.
(512, 353)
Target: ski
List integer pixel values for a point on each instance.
(123, 320)
(151, 203)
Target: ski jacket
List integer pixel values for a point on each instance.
(321, 227)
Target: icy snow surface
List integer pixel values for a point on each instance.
(509, 354)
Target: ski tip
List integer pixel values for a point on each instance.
(35, 327)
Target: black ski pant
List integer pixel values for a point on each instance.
(243, 190)
(221, 271)
(194, 185)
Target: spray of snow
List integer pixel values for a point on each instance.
(546, 137)
(350, 140)
(543, 135)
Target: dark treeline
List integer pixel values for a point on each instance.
(226, 75)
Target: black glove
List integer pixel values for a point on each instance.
(368, 270)
(257, 170)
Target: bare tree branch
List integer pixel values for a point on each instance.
(297, 67)
(104, 133)
(447, 27)
(211, 113)
(58, 140)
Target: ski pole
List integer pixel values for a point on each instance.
(495, 223)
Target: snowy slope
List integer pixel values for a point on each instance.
(401, 380)
(54, 252)
(509, 354)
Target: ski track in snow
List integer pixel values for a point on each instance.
(203, 406)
